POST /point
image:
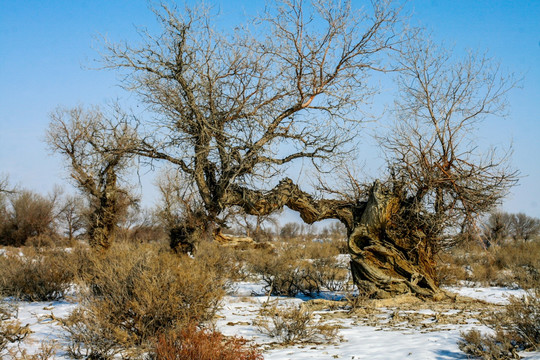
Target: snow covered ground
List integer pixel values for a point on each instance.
(389, 336)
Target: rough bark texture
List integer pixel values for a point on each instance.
(104, 215)
(384, 262)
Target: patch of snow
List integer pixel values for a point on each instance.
(494, 295)
(37, 316)
(357, 341)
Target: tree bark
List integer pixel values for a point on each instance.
(384, 263)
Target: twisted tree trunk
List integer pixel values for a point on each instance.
(384, 263)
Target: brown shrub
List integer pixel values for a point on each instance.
(192, 343)
(285, 272)
(36, 275)
(132, 293)
(304, 267)
(28, 215)
(508, 264)
(294, 325)
(227, 261)
(489, 347)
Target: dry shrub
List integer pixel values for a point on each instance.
(28, 215)
(294, 324)
(47, 350)
(515, 329)
(507, 264)
(192, 343)
(10, 329)
(133, 293)
(285, 273)
(44, 240)
(521, 319)
(224, 260)
(521, 260)
(489, 347)
(300, 268)
(36, 275)
(330, 274)
(448, 272)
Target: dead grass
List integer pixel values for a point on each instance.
(13, 335)
(511, 263)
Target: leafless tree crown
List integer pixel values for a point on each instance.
(233, 108)
(432, 150)
(97, 147)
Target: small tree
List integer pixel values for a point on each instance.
(71, 216)
(497, 227)
(180, 211)
(96, 145)
(28, 215)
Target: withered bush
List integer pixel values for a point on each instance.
(8, 331)
(488, 346)
(507, 264)
(192, 343)
(303, 267)
(285, 273)
(294, 324)
(33, 275)
(515, 329)
(226, 261)
(133, 293)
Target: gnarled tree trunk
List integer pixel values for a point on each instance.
(384, 263)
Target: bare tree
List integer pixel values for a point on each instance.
(96, 147)
(72, 216)
(232, 111)
(439, 179)
(4, 185)
(432, 150)
(237, 108)
(256, 227)
(524, 227)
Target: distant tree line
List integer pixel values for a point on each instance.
(502, 226)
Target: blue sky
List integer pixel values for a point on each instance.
(48, 48)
